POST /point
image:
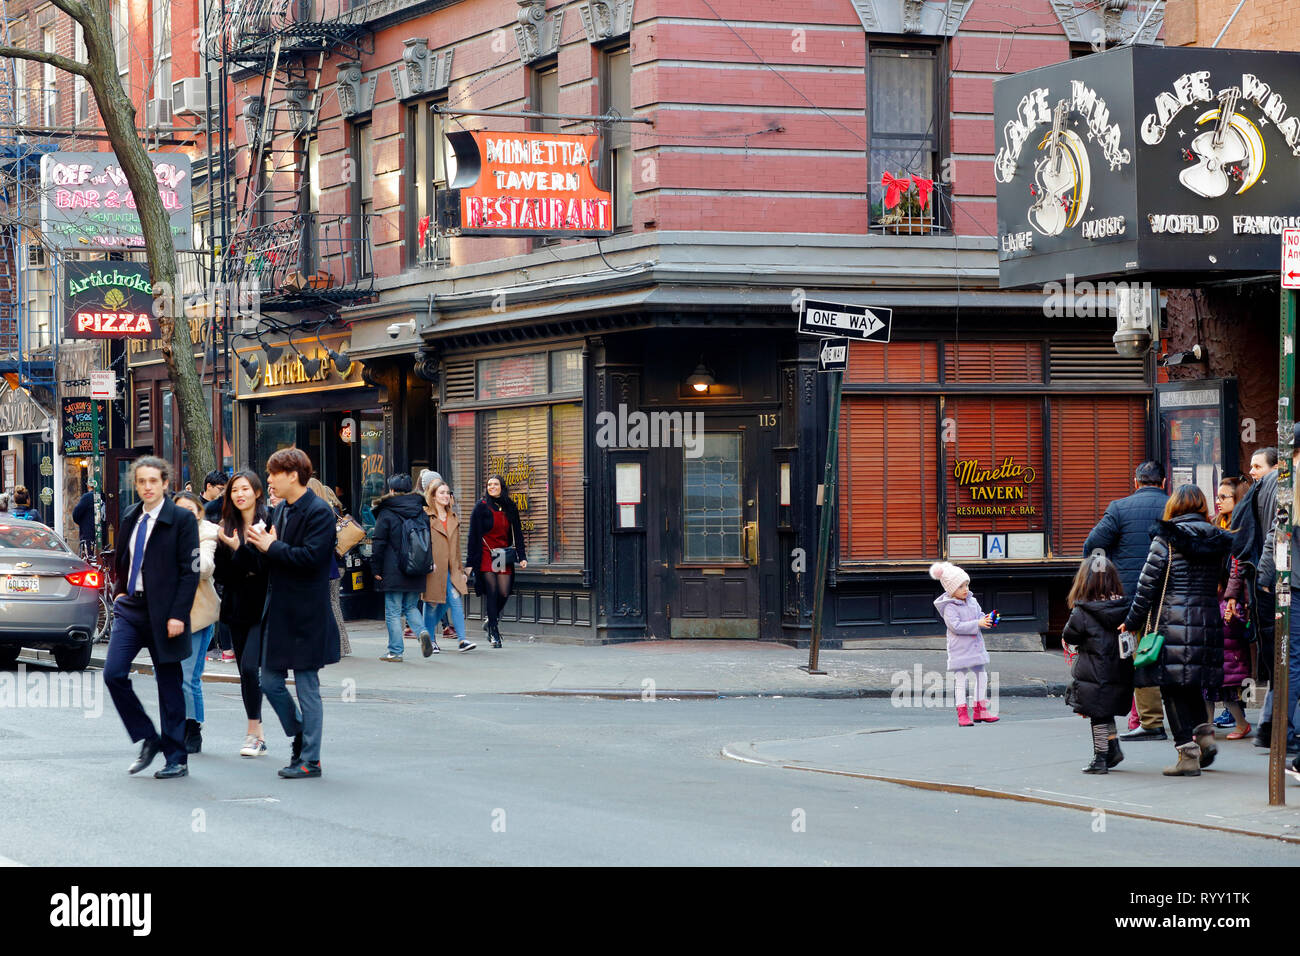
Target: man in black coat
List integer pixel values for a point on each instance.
(157, 574)
(1124, 534)
(298, 628)
(84, 516)
(214, 490)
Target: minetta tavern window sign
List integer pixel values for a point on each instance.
(1159, 161)
(1004, 491)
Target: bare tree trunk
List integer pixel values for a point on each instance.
(118, 115)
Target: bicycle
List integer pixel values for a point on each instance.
(103, 563)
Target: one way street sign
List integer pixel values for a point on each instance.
(867, 323)
(834, 355)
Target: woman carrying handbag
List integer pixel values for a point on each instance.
(496, 547)
(1176, 625)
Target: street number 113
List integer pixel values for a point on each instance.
(767, 420)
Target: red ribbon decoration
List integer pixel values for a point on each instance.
(424, 230)
(894, 189)
(923, 189)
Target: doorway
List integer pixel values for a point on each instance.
(707, 551)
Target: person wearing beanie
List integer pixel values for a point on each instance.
(966, 653)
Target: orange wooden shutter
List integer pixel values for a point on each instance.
(1096, 445)
(905, 362)
(989, 431)
(887, 488)
(993, 362)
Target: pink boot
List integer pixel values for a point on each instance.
(982, 713)
(1134, 721)
(963, 716)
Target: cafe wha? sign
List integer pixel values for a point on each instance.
(1147, 161)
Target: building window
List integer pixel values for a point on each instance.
(363, 193)
(616, 94)
(162, 52)
(712, 512)
(80, 93)
(122, 42)
(49, 89)
(544, 97)
(904, 122)
(168, 426)
(309, 203)
(538, 448)
(426, 164)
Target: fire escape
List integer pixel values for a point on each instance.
(27, 342)
(298, 259)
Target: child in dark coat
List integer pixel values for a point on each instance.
(1102, 682)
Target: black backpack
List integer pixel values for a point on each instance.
(417, 546)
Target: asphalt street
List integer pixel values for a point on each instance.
(441, 779)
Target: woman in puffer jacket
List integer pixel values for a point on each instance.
(1102, 681)
(1179, 591)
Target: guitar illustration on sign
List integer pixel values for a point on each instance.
(1232, 152)
(1061, 178)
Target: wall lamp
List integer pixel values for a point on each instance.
(1185, 357)
(701, 380)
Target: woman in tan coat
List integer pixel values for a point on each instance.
(445, 587)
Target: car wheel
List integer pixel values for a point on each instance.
(9, 656)
(72, 658)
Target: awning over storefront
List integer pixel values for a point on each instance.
(1151, 162)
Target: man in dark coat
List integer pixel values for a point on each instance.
(84, 516)
(157, 575)
(401, 590)
(298, 628)
(1254, 525)
(1124, 533)
(214, 490)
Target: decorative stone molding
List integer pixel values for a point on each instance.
(428, 365)
(420, 72)
(356, 94)
(297, 98)
(919, 17)
(538, 32)
(1112, 21)
(252, 117)
(606, 19)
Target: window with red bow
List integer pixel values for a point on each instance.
(905, 132)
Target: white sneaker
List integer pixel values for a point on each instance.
(253, 747)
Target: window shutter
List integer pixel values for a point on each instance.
(993, 362)
(988, 431)
(1093, 361)
(463, 478)
(514, 444)
(887, 486)
(566, 470)
(1096, 445)
(905, 362)
(459, 382)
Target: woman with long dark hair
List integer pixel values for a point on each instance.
(496, 546)
(241, 570)
(1178, 593)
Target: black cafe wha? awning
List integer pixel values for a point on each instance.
(1172, 165)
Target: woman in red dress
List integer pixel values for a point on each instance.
(496, 545)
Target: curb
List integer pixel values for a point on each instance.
(829, 693)
(738, 752)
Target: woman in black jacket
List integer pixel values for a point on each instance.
(401, 590)
(494, 527)
(241, 574)
(1183, 565)
(1102, 684)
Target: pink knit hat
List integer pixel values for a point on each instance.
(949, 575)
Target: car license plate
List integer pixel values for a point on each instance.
(27, 585)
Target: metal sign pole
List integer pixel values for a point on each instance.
(1285, 519)
(827, 516)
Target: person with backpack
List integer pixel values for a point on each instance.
(402, 558)
(21, 505)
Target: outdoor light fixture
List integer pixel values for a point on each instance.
(273, 352)
(341, 361)
(311, 366)
(1185, 357)
(701, 380)
(1134, 328)
(251, 366)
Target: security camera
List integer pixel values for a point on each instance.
(396, 328)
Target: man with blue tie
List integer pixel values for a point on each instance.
(157, 568)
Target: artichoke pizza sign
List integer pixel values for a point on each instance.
(109, 300)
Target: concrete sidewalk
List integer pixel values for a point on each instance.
(705, 669)
(1040, 761)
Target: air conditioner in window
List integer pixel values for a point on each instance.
(157, 114)
(35, 256)
(190, 97)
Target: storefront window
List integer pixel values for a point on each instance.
(566, 371)
(514, 376)
(168, 425)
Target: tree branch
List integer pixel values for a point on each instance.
(53, 59)
(75, 9)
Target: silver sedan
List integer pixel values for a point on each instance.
(49, 597)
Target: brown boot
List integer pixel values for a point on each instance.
(1189, 762)
(1203, 735)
